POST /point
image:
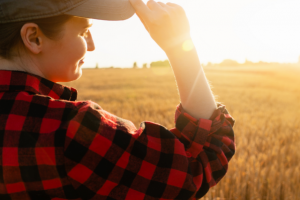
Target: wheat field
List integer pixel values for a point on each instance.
(264, 100)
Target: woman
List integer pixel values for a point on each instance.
(54, 147)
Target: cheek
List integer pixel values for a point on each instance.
(76, 50)
(63, 64)
(67, 52)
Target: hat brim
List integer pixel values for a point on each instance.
(114, 10)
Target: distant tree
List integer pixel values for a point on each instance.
(247, 62)
(134, 65)
(228, 62)
(97, 66)
(209, 64)
(145, 65)
(262, 63)
(165, 63)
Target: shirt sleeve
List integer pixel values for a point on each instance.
(106, 156)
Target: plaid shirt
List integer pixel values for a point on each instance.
(54, 147)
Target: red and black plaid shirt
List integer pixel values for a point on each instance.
(53, 147)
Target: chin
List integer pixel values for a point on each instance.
(72, 76)
(77, 74)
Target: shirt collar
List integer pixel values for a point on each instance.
(23, 81)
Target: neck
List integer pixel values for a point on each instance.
(8, 65)
(20, 64)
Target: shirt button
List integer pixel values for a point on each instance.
(188, 154)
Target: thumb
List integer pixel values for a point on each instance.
(144, 23)
(140, 8)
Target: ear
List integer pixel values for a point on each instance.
(32, 37)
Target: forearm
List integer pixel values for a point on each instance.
(195, 93)
(166, 23)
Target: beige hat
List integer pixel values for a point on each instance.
(16, 10)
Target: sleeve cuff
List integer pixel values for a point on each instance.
(193, 133)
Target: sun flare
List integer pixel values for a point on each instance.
(187, 45)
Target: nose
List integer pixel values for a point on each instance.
(90, 42)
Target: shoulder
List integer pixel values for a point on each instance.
(90, 117)
(43, 106)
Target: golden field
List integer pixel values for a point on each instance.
(264, 100)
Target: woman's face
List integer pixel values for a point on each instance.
(61, 60)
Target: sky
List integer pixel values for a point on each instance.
(256, 30)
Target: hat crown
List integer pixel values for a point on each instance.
(21, 10)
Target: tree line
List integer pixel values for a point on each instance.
(160, 63)
(226, 62)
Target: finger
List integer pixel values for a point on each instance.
(162, 4)
(171, 4)
(140, 8)
(153, 5)
(176, 7)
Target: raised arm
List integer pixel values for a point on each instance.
(106, 157)
(168, 25)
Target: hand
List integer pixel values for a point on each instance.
(167, 24)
